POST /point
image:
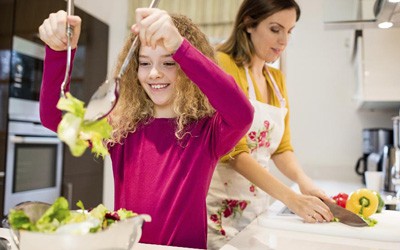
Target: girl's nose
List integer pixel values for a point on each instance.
(155, 73)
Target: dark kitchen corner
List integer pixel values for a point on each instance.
(82, 178)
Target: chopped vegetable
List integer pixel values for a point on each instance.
(381, 203)
(77, 133)
(59, 219)
(363, 202)
(341, 199)
(371, 222)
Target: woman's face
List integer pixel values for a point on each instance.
(157, 74)
(270, 36)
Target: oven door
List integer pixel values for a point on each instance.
(33, 170)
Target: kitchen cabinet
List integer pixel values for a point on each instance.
(6, 17)
(377, 65)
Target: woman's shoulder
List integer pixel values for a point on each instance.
(226, 60)
(275, 71)
(223, 56)
(277, 74)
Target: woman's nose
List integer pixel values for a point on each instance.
(283, 39)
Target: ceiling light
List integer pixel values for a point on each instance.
(394, 1)
(385, 25)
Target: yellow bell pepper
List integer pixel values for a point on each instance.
(363, 202)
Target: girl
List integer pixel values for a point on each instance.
(176, 116)
(241, 184)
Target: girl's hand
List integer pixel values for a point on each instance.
(53, 30)
(155, 27)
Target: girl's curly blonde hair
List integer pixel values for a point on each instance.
(135, 107)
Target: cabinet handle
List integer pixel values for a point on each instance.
(70, 189)
(2, 174)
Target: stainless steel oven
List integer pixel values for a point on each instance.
(34, 153)
(33, 165)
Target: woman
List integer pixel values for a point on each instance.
(173, 121)
(260, 34)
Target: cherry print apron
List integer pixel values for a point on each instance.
(233, 201)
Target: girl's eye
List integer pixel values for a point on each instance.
(170, 64)
(143, 64)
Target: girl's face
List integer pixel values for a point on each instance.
(270, 36)
(157, 74)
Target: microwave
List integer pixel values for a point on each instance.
(26, 69)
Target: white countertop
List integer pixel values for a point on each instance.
(6, 234)
(258, 236)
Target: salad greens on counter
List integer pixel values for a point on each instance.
(59, 219)
(76, 133)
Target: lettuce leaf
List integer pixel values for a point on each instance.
(77, 133)
(54, 216)
(59, 219)
(19, 220)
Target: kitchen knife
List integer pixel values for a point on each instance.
(345, 216)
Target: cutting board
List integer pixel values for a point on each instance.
(387, 229)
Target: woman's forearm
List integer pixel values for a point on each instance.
(247, 166)
(287, 163)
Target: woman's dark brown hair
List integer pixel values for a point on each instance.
(250, 14)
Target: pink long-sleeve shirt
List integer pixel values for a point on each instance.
(156, 174)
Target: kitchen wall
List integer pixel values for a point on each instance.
(326, 125)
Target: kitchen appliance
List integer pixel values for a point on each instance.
(395, 175)
(33, 164)
(388, 161)
(34, 153)
(374, 141)
(26, 78)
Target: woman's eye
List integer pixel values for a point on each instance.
(275, 30)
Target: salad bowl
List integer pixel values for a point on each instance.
(120, 235)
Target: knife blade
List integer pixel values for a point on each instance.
(345, 216)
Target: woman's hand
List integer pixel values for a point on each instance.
(155, 27)
(307, 187)
(53, 30)
(310, 208)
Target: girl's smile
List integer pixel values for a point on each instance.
(157, 74)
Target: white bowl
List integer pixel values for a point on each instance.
(120, 235)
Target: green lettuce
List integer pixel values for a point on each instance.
(59, 219)
(77, 133)
(19, 220)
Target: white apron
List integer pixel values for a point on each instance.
(233, 201)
